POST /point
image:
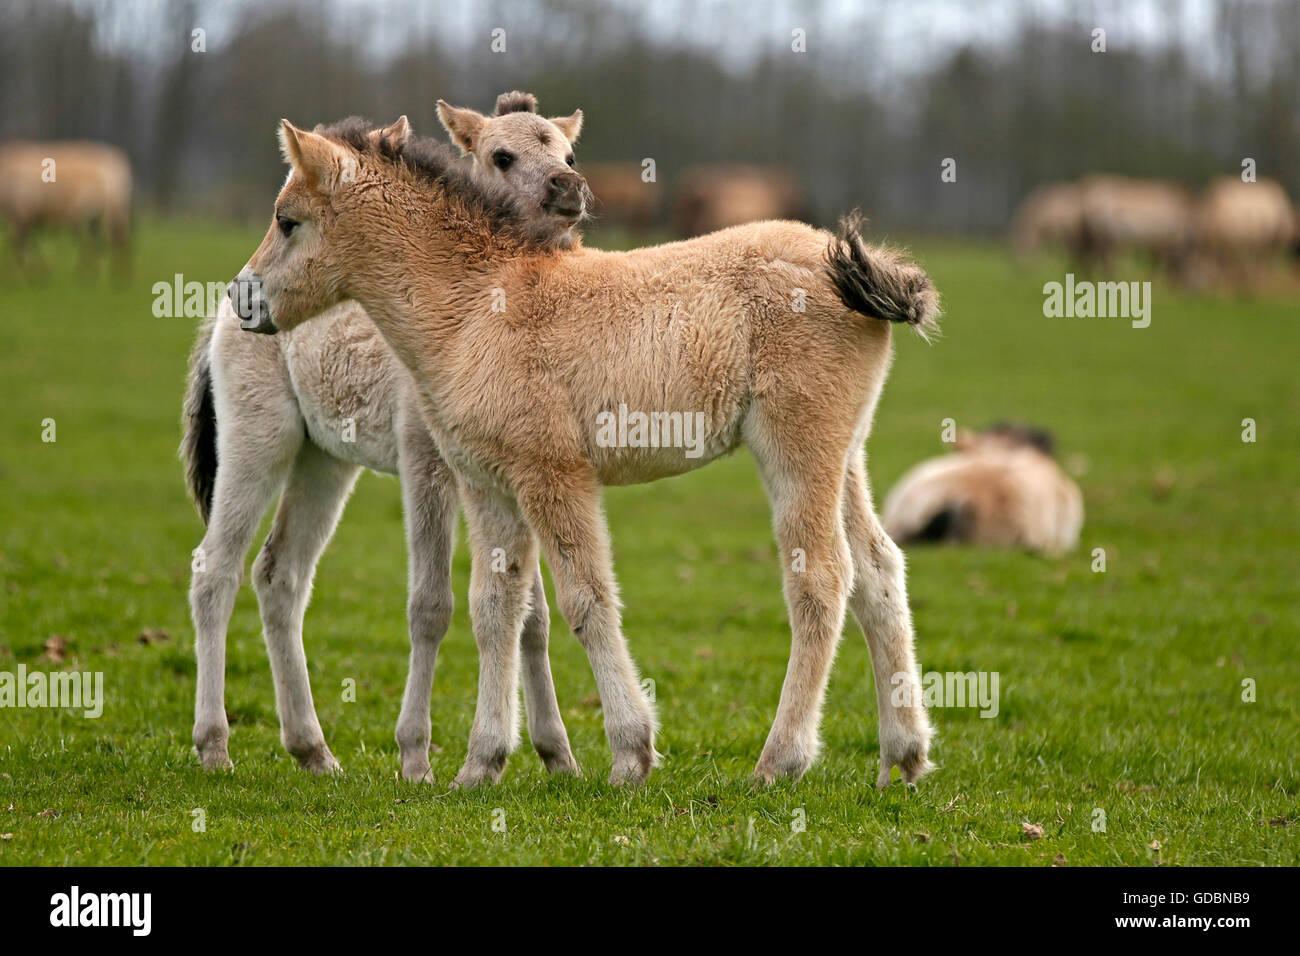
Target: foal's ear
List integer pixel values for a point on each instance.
(463, 124)
(394, 136)
(570, 126)
(318, 160)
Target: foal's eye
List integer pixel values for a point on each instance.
(503, 159)
(569, 159)
(285, 223)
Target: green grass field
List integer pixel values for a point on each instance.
(1121, 692)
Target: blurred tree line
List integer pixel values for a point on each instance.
(862, 118)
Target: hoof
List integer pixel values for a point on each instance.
(215, 759)
(477, 775)
(417, 773)
(320, 762)
(791, 761)
(908, 751)
(559, 761)
(633, 769)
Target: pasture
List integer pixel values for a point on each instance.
(1121, 692)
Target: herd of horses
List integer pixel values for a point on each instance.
(1229, 234)
(433, 313)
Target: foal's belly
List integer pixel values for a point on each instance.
(660, 449)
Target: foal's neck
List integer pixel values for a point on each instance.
(420, 263)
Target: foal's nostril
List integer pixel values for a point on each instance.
(254, 312)
(564, 181)
(243, 294)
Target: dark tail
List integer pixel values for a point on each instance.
(880, 282)
(199, 423)
(950, 523)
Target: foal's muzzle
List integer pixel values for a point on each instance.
(566, 195)
(250, 305)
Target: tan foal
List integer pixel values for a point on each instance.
(768, 334)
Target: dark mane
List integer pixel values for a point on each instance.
(352, 130)
(440, 165)
(1024, 435)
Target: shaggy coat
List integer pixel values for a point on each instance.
(773, 333)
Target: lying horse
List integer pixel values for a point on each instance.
(776, 334)
(1002, 488)
(300, 416)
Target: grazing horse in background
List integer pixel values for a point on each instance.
(773, 334)
(1150, 218)
(300, 415)
(623, 198)
(1242, 227)
(1002, 488)
(82, 185)
(709, 198)
(1050, 217)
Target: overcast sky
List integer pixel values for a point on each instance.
(897, 36)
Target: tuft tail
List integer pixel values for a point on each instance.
(950, 523)
(880, 282)
(199, 423)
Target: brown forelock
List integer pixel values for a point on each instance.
(515, 101)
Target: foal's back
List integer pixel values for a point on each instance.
(702, 330)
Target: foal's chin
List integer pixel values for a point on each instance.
(562, 222)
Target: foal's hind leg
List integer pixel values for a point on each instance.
(879, 601)
(815, 562)
(254, 456)
(545, 725)
(282, 574)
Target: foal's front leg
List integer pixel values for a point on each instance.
(571, 528)
(430, 505)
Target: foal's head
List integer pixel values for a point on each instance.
(517, 147)
(346, 177)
